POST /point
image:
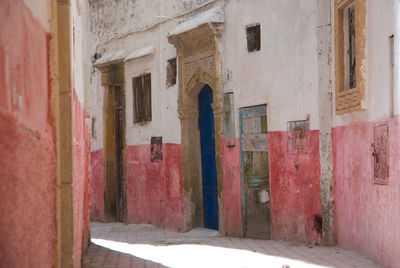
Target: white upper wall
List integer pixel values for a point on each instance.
(114, 28)
(77, 46)
(284, 73)
(41, 10)
(115, 19)
(380, 26)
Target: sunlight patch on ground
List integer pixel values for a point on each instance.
(192, 255)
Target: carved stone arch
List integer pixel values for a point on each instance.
(199, 78)
(199, 57)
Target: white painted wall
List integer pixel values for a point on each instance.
(380, 25)
(77, 53)
(41, 10)
(149, 24)
(396, 78)
(284, 73)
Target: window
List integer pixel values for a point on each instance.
(142, 98)
(350, 51)
(349, 47)
(171, 72)
(253, 38)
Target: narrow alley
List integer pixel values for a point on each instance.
(144, 245)
(199, 133)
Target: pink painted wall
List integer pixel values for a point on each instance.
(232, 188)
(154, 189)
(27, 141)
(295, 188)
(97, 187)
(81, 155)
(367, 216)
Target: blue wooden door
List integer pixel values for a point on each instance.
(209, 170)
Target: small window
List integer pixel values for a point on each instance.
(253, 38)
(171, 72)
(349, 47)
(142, 98)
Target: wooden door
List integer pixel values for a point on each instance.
(119, 146)
(255, 172)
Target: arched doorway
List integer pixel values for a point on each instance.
(208, 164)
(198, 52)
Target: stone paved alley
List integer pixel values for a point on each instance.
(143, 245)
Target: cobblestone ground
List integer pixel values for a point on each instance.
(143, 245)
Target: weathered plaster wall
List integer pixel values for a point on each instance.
(81, 155)
(130, 16)
(155, 191)
(81, 131)
(295, 189)
(232, 187)
(165, 121)
(96, 186)
(27, 139)
(366, 213)
(257, 78)
(284, 74)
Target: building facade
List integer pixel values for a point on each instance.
(269, 119)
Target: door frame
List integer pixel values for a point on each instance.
(112, 76)
(242, 179)
(199, 63)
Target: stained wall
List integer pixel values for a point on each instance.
(257, 78)
(27, 138)
(366, 214)
(284, 75)
(80, 70)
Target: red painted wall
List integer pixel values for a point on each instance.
(81, 155)
(367, 216)
(27, 141)
(154, 189)
(97, 187)
(295, 188)
(232, 187)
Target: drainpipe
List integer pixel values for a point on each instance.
(396, 73)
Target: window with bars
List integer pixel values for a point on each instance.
(142, 98)
(350, 55)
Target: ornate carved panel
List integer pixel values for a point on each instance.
(298, 138)
(381, 153)
(348, 99)
(156, 149)
(205, 64)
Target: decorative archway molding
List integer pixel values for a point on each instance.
(199, 63)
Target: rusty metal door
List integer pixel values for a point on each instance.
(255, 172)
